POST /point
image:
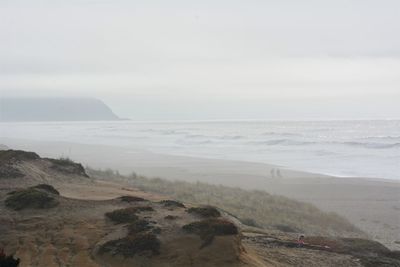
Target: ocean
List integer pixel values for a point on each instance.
(340, 148)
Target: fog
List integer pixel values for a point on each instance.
(199, 133)
(211, 60)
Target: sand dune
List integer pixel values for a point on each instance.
(370, 204)
(80, 221)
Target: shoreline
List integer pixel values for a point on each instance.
(370, 204)
(58, 149)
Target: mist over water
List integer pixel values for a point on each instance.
(342, 148)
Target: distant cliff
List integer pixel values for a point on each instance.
(54, 109)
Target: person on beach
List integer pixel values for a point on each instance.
(300, 241)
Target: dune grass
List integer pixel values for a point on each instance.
(256, 208)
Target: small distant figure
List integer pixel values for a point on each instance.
(300, 241)
(278, 173)
(273, 173)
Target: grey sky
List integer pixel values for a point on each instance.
(204, 59)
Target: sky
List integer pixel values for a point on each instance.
(209, 59)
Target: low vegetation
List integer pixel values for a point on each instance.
(142, 243)
(127, 215)
(205, 211)
(67, 166)
(209, 228)
(10, 156)
(256, 208)
(141, 237)
(47, 188)
(172, 204)
(131, 199)
(31, 198)
(139, 225)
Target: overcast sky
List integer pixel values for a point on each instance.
(209, 59)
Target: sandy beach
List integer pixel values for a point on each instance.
(371, 204)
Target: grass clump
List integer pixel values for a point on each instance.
(47, 188)
(209, 228)
(205, 211)
(131, 199)
(122, 215)
(139, 226)
(31, 198)
(9, 156)
(126, 215)
(141, 243)
(172, 204)
(67, 166)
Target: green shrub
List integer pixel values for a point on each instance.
(205, 211)
(47, 188)
(138, 226)
(265, 209)
(9, 156)
(127, 215)
(209, 228)
(172, 204)
(31, 198)
(131, 199)
(67, 166)
(131, 245)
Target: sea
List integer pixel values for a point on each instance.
(364, 148)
